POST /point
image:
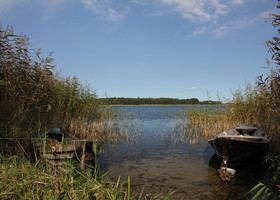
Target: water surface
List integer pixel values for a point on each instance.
(158, 162)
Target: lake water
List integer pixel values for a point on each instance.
(159, 160)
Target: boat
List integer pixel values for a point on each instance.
(56, 145)
(240, 143)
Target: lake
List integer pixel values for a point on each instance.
(159, 160)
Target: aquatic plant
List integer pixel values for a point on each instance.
(199, 123)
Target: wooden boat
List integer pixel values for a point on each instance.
(241, 143)
(56, 145)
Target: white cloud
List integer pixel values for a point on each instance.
(199, 31)
(239, 24)
(236, 2)
(212, 13)
(199, 10)
(103, 7)
(192, 88)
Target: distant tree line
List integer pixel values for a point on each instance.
(162, 100)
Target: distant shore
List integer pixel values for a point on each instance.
(155, 101)
(163, 105)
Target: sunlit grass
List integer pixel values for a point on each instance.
(21, 178)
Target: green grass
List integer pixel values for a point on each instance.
(22, 179)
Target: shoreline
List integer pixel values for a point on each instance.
(164, 105)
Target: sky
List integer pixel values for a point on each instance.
(150, 48)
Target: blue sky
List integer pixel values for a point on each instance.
(150, 48)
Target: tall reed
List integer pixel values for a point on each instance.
(34, 96)
(249, 106)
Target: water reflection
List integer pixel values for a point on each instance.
(158, 164)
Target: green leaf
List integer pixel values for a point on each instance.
(95, 148)
(128, 188)
(118, 182)
(258, 193)
(140, 196)
(255, 187)
(266, 195)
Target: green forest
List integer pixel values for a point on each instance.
(153, 101)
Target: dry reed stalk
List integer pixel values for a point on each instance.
(106, 131)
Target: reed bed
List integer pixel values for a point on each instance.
(209, 122)
(34, 96)
(110, 130)
(194, 125)
(251, 106)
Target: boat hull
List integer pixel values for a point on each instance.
(236, 150)
(237, 147)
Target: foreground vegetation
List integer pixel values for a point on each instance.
(23, 179)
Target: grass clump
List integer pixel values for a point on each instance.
(22, 179)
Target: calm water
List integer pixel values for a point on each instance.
(157, 162)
